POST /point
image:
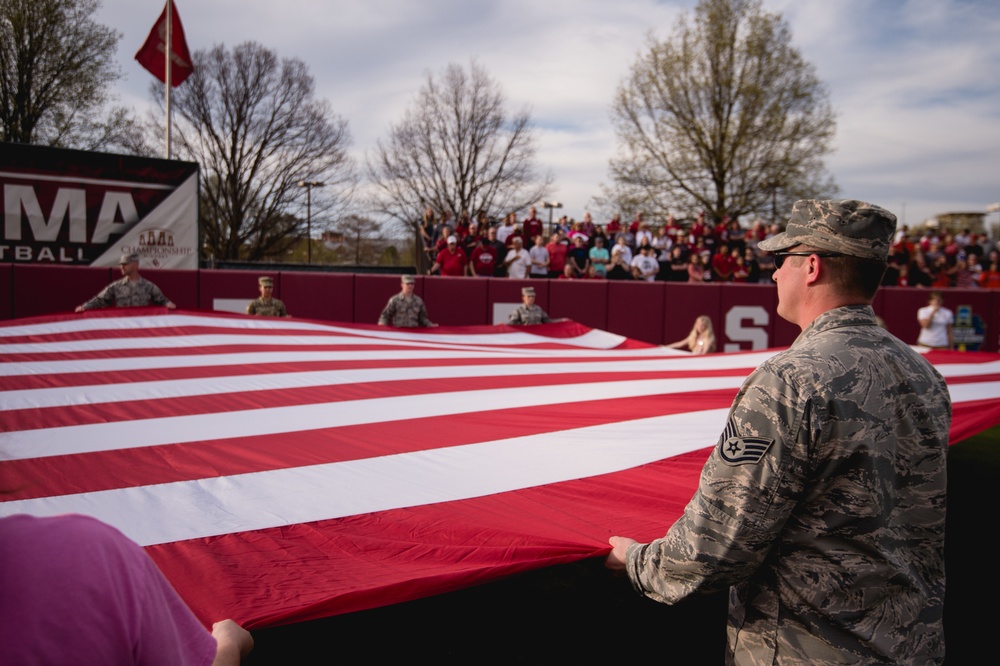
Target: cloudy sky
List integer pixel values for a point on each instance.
(915, 83)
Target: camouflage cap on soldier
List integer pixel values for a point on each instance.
(128, 259)
(527, 291)
(409, 279)
(844, 226)
(265, 281)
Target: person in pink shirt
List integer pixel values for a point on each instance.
(78, 591)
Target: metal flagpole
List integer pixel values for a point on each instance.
(170, 40)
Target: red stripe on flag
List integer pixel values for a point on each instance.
(305, 570)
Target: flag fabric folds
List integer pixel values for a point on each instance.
(286, 470)
(152, 54)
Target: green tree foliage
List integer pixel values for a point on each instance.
(724, 115)
(56, 67)
(253, 123)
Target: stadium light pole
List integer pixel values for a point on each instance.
(309, 184)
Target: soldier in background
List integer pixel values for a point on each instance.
(822, 507)
(267, 305)
(132, 291)
(405, 309)
(528, 313)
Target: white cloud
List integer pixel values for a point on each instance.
(914, 83)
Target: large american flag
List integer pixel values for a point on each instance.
(285, 470)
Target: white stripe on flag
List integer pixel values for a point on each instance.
(180, 388)
(177, 511)
(67, 440)
(593, 339)
(681, 360)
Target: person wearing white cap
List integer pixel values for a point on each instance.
(451, 260)
(132, 291)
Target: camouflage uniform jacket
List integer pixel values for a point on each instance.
(271, 308)
(525, 314)
(822, 506)
(404, 312)
(125, 294)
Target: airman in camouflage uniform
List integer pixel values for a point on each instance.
(267, 305)
(132, 291)
(823, 505)
(405, 309)
(528, 312)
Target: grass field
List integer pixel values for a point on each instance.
(582, 611)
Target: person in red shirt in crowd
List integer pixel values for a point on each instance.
(699, 228)
(463, 224)
(483, 261)
(722, 265)
(721, 230)
(950, 246)
(558, 251)
(672, 229)
(636, 223)
(990, 277)
(589, 227)
(518, 233)
(532, 226)
(614, 226)
(941, 272)
(451, 260)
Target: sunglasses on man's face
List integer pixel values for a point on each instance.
(779, 257)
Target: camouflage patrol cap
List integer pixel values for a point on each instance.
(128, 259)
(844, 226)
(409, 279)
(527, 291)
(265, 281)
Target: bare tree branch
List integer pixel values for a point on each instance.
(457, 150)
(254, 125)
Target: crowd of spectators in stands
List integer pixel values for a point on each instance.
(695, 250)
(964, 260)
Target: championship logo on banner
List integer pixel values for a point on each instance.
(73, 207)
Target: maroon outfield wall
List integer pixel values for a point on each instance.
(744, 316)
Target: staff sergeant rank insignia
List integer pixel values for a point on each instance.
(737, 450)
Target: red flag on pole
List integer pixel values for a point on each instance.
(151, 55)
